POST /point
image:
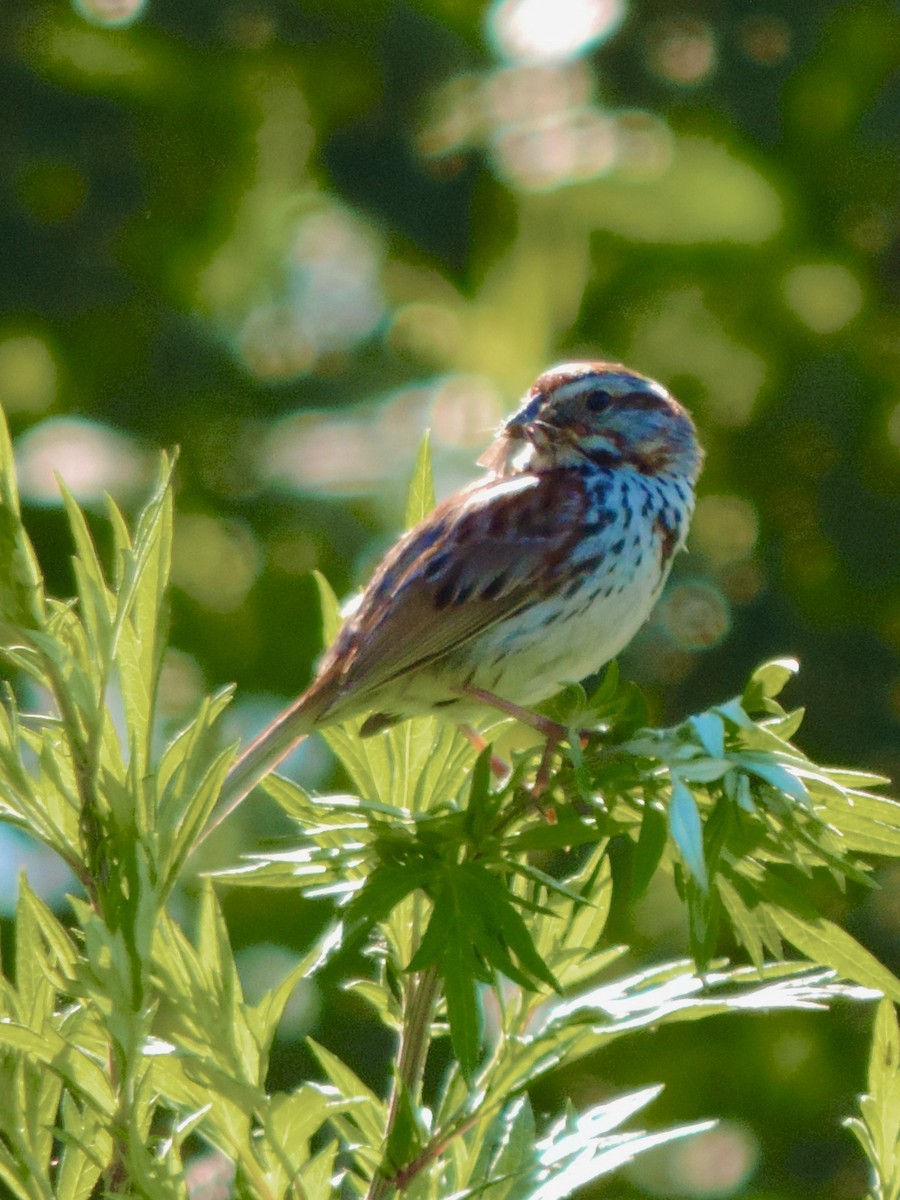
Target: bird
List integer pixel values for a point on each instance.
(533, 576)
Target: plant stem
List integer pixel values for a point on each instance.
(415, 1040)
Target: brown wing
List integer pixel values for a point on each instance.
(480, 556)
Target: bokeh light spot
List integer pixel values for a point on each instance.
(680, 335)
(549, 30)
(542, 155)
(742, 582)
(695, 615)
(356, 451)
(713, 1163)
(705, 194)
(89, 457)
(249, 28)
(790, 1054)
(328, 297)
(765, 38)
(644, 146)
(28, 374)
(428, 332)
(724, 528)
(273, 343)
(210, 1177)
(181, 685)
(825, 296)
(681, 50)
(292, 551)
(214, 561)
(811, 563)
(111, 13)
(454, 118)
(464, 411)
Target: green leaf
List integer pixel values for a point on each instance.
(884, 1061)
(711, 732)
(290, 1121)
(824, 942)
(649, 849)
(506, 1152)
(263, 1018)
(96, 603)
(687, 830)
(479, 810)
(86, 1151)
(464, 1013)
(773, 773)
(331, 609)
(22, 603)
(58, 957)
(382, 891)
(48, 1049)
(368, 1113)
(420, 501)
(418, 765)
(749, 929)
(879, 1130)
(767, 682)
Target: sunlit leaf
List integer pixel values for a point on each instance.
(687, 830)
(767, 681)
(420, 501)
(824, 942)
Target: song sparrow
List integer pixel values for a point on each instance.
(532, 577)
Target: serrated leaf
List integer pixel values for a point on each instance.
(96, 603)
(22, 603)
(744, 920)
(48, 1049)
(382, 891)
(86, 1150)
(290, 1120)
(824, 942)
(506, 1152)
(369, 1114)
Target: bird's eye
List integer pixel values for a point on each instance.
(598, 400)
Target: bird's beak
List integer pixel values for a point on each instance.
(498, 456)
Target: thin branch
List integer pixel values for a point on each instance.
(415, 1041)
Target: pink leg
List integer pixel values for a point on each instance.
(499, 767)
(544, 725)
(551, 730)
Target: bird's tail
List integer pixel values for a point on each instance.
(263, 755)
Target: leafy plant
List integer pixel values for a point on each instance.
(482, 916)
(878, 1129)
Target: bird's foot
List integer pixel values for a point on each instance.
(500, 768)
(552, 731)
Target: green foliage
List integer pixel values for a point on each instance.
(878, 1130)
(124, 1041)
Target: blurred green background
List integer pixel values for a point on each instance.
(289, 236)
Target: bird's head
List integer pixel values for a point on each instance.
(600, 413)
